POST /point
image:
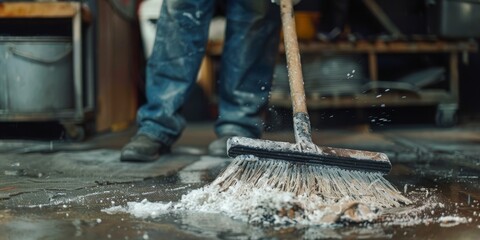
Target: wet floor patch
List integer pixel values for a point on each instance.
(432, 209)
(445, 205)
(38, 173)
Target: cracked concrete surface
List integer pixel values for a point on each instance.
(56, 190)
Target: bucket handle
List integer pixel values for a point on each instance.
(30, 56)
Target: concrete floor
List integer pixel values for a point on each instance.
(56, 190)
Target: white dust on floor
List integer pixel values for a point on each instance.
(272, 207)
(267, 206)
(259, 206)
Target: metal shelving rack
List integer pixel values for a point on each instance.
(83, 81)
(446, 100)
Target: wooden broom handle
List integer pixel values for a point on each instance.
(295, 77)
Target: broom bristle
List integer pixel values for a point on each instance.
(330, 183)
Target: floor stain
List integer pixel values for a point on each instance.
(446, 196)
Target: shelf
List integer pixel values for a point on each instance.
(388, 47)
(446, 100)
(67, 114)
(44, 10)
(424, 97)
(215, 48)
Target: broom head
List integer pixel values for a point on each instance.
(309, 153)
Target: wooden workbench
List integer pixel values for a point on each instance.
(446, 100)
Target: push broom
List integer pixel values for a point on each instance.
(303, 167)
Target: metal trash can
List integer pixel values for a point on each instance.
(35, 74)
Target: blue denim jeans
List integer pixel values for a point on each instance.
(248, 58)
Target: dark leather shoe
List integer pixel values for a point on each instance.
(143, 149)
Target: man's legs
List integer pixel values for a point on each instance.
(248, 59)
(182, 32)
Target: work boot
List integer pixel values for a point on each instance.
(143, 149)
(219, 147)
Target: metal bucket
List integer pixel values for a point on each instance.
(35, 74)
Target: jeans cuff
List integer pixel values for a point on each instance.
(161, 138)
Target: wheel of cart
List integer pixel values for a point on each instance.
(74, 131)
